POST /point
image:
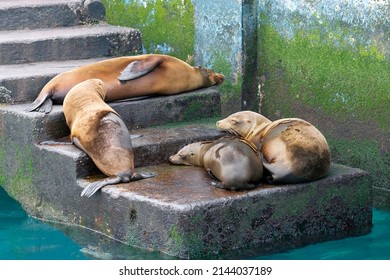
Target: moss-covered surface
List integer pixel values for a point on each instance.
(310, 69)
(166, 26)
(323, 75)
(231, 88)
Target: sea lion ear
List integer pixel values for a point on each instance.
(139, 68)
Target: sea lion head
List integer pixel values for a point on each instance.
(210, 77)
(243, 123)
(80, 98)
(188, 155)
(98, 87)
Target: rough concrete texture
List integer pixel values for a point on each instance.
(23, 82)
(145, 112)
(219, 45)
(36, 14)
(64, 43)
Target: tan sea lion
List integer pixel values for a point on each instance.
(100, 132)
(293, 150)
(235, 164)
(129, 76)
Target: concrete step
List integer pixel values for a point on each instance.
(67, 43)
(23, 82)
(25, 14)
(152, 146)
(138, 113)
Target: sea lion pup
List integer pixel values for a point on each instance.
(129, 76)
(293, 150)
(235, 164)
(99, 131)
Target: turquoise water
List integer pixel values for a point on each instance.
(25, 238)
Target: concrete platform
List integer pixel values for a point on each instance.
(178, 212)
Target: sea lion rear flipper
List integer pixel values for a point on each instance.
(139, 68)
(42, 103)
(95, 186)
(140, 176)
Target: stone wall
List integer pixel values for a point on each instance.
(326, 61)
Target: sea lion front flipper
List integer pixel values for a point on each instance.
(78, 144)
(139, 68)
(211, 174)
(95, 186)
(42, 103)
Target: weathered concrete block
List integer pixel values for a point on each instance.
(94, 10)
(38, 14)
(67, 43)
(180, 213)
(23, 82)
(137, 113)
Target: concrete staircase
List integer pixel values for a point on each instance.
(179, 211)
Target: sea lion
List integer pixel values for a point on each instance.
(244, 124)
(232, 162)
(100, 132)
(293, 150)
(129, 76)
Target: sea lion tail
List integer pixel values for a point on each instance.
(95, 186)
(42, 104)
(140, 176)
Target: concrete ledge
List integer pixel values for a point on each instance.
(153, 147)
(136, 113)
(181, 213)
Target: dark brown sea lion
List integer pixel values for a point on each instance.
(99, 131)
(235, 164)
(129, 76)
(293, 150)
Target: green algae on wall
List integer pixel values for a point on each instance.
(232, 85)
(167, 26)
(318, 73)
(338, 80)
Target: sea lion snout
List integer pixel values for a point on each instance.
(218, 78)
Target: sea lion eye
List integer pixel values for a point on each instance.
(233, 121)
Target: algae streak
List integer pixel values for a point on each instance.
(167, 26)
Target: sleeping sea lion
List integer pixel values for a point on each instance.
(293, 150)
(235, 164)
(100, 132)
(129, 76)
